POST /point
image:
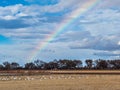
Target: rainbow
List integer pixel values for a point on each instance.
(63, 25)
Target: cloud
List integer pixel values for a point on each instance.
(85, 40)
(13, 24)
(30, 25)
(71, 36)
(61, 5)
(102, 21)
(109, 4)
(103, 27)
(48, 50)
(18, 23)
(106, 54)
(106, 43)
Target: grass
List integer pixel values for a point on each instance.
(60, 82)
(41, 72)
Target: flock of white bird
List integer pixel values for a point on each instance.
(44, 77)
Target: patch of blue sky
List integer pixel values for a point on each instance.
(55, 16)
(5, 40)
(28, 2)
(115, 8)
(43, 2)
(12, 2)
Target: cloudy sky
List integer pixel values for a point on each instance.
(29, 29)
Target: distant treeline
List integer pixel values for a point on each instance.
(64, 64)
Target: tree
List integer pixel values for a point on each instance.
(64, 64)
(39, 64)
(78, 64)
(14, 65)
(1, 67)
(7, 65)
(101, 64)
(51, 65)
(69, 64)
(30, 66)
(89, 63)
(115, 64)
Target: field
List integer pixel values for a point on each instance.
(66, 80)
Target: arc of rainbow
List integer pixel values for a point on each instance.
(63, 25)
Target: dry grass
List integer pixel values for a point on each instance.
(60, 82)
(41, 72)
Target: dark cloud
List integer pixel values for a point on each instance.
(96, 44)
(107, 43)
(106, 54)
(29, 36)
(72, 36)
(12, 24)
(84, 40)
(52, 19)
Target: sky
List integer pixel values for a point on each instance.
(59, 29)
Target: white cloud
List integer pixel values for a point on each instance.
(109, 4)
(102, 22)
(118, 42)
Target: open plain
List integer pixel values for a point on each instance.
(61, 82)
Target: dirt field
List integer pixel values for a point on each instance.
(60, 82)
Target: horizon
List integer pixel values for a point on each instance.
(57, 29)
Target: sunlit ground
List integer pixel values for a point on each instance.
(60, 82)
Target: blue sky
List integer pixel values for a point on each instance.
(26, 23)
(28, 2)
